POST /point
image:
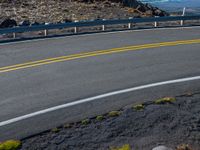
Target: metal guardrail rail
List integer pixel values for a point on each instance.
(96, 23)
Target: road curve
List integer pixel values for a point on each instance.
(37, 75)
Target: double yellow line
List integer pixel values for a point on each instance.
(95, 53)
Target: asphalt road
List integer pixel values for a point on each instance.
(34, 88)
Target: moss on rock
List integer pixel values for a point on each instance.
(165, 100)
(10, 145)
(138, 107)
(85, 122)
(99, 118)
(114, 113)
(124, 147)
(55, 130)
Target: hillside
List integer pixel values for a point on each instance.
(68, 10)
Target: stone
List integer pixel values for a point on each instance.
(162, 147)
(67, 20)
(25, 23)
(8, 23)
(160, 13)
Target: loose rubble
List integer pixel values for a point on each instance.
(27, 12)
(173, 125)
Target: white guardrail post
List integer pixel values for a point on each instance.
(102, 23)
(76, 28)
(46, 31)
(129, 24)
(156, 23)
(103, 26)
(182, 22)
(14, 35)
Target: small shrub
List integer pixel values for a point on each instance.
(124, 147)
(165, 100)
(10, 145)
(114, 113)
(183, 147)
(99, 118)
(138, 107)
(85, 122)
(55, 130)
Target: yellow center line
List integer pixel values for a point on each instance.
(94, 53)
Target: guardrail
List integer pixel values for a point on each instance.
(102, 23)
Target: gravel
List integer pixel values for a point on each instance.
(169, 124)
(60, 10)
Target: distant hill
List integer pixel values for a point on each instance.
(70, 10)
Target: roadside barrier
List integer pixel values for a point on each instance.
(101, 23)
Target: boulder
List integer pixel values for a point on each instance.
(161, 148)
(25, 23)
(67, 20)
(160, 13)
(141, 8)
(145, 9)
(8, 23)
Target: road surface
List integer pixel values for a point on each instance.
(41, 74)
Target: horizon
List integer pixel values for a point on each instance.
(192, 6)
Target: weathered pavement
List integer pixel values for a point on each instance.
(28, 90)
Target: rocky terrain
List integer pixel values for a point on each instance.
(167, 121)
(54, 11)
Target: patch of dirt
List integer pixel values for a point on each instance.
(168, 124)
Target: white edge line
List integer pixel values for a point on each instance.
(81, 101)
(99, 33)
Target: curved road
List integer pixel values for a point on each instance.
(41, 74)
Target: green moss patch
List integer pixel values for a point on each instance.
(124, 147)
(85, 122)
(114, 113)
(165, 100)
(99, 118)
(10, 145)
(55, 130)
(138, 107)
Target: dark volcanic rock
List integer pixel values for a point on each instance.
(146, 9)
(165, 124)
(8, 23)
(25, 23)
